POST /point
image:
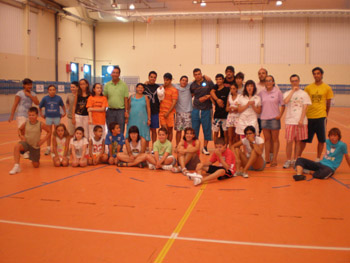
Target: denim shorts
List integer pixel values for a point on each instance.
(50, 121)
(272, 124)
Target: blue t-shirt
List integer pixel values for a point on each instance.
(115, 141)
(334, 154)
(52, 106)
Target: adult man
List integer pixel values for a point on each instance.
(321, 95)
(117, 93)
(262, 73)
(151, 91)
(230, 76)
(202, 106)
(296, 101)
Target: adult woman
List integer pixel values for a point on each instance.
(249, 106)
(271, 99)
(140, 112)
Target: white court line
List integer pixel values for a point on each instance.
(6, 158)
(8, 142)
(230, 242)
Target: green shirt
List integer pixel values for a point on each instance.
(116, 94)
(162, 148)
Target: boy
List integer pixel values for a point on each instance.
(70, 102)
(226, 167)
(52, 104)
(162, 157)
(115, 141)
(219, 94)
(30, 133)
(23, 100)
(252, 156)
(97, 153)
(167, 105)
(324, 169)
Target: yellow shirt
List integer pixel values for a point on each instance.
(319, 94)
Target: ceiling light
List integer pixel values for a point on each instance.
(114, 4)
(121, 19)
(194, 2)
(278, 3)
(203, 3)
(131, 6)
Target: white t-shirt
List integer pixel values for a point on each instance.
(233, 103)
(78, 145)
(24, 103)
(249, 116)
(248, 150)
(96, 145)
(295, 106)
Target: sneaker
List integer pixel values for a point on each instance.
(122, 164)
(237, 173)
(142, 164)
(197, 181)
(15, 169)
(26, 155)
(287, 164)
(191, 176)
(167, 167)
(205, 151)
(244, 175)
(48, 150)
(299, 177)
(151, 166)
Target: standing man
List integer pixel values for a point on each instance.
(321, 95)
(202, 107)
(230, 76)
(117, 93)
(151, 92)
(262, 74)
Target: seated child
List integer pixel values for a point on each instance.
(79, 148)
(29, 133)
(226, 167)
(97, 153)
(251, 158)
(60, 142)
(162, 157)
(324, 169)
(135, 150)
(115, 141)
(188, 152)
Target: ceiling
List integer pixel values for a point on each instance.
(148, 10)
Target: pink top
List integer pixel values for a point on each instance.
(270, 102)
(229, 158)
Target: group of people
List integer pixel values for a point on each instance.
(241, 112)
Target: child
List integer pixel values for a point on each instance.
(23, 101)
(252, 156)
(162, 157)
(70, 103)
(232, 117)
(219, 94)
(52, 104)
(115, 141)
(97, 147)
(135, 149)
(226, 167)
(60, 142)
(30, 133)
(167, 105)
(80, 118)
(324, 169)
(188, 152)
(79, 148)
(96, 105)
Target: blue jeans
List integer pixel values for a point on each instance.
(116, 116)
(202, 117)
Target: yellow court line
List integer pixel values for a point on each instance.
(178, 228)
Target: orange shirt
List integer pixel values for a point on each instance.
(98, 117)
(171, 94)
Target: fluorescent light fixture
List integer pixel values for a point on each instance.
(194, 2)
(278, 3)
(131, 6)
(203, 3)
(121, 19)
(86, 68)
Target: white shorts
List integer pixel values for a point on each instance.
(217, 123)
(20, 120)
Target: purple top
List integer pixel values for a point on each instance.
(270, 102)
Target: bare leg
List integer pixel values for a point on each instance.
(170, 133)
(17, 152)
(276, 145)
(320, 146)
(289, 148)
(178, 137)
(255, 160)
(153, 135)
(302, 147)
(268, 139)
(213, 176)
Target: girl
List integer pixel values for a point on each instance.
(188, 152)
(70, 103)
(97, 147)
(135, 150)
(79, 147)
(249, 106)
(232, 117)
(96, 105)
(60, 143)
(140, 112)
(81, 116)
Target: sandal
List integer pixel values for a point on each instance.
(176, 169)
(273, 164)
(184, 171)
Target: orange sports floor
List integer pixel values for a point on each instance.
(111, 214)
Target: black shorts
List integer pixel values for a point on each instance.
(321, 171)
(317, 126)
(212, 169)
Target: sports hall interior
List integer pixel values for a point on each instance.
(107, 213)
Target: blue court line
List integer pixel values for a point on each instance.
(44, 184)
(346, 185)
(310, 179)
(136, 179)
(118, 170)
